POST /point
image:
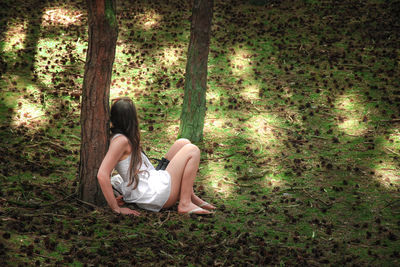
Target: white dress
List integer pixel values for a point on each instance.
(153, 189)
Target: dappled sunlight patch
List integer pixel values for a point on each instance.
(212, 95)
(118, 91)
(251, 92)
(218, 127)
(352, 126)
(260, 129)
(27, 113)
(61, 16)
(219, 179)
(394, 138)
(272, 181)
(26, 105)
(172, 130)
(345, 102)
(240, 61)
(114, 93)
(15, 37)
(214, 122)
(215, 125)
(149, 20)
(351, 119)
(287, 91)
(387, 174)
(266, 141)
(171, 56)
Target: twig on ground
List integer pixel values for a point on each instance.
(86, 203)
(58, 201)
(161, 223)
(391, 120)
(313, 197)
(46, 257)
(22, 204)
(229, 182)
(319, 137)
(3, 176)
(246, 185)
(297, 141)
(57, 145)
(32, 118)
(390, 203)
(35, 205)
(77, 199)
(223, 157)
(75, 137)
(394, 152)
(280, 127)
(292, 206)
(354, 65)
(44, 214)
(47, 142)
(352, 135)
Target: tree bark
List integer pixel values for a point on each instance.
(194, 102)
(103, 32)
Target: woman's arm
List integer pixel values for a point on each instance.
(117, 149)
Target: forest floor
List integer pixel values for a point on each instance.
(301, 150)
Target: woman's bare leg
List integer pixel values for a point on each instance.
(176, 147)
(183, 169)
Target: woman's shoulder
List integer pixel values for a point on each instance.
(119, 139)
(120, 143)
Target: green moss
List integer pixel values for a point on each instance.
(110, 13)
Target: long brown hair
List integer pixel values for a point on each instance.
(125, 121)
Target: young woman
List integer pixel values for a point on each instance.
(138, 181)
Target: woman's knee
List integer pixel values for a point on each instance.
(192, 150)
(178, 145)
(182, 141)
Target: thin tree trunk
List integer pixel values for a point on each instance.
(194, 102)
(103, 32)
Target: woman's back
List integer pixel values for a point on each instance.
(122, 166)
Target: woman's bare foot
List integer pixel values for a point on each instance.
(207, 206)
(191, 209)
(201, 203)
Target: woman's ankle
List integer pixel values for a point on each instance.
(187, 206)
(184, 204)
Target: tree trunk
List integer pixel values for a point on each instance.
(194, 102)
(103, 32)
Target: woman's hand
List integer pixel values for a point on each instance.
(127, 211)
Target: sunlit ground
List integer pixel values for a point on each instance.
(351, 112)
(15, 37)
(240, 61)
(27, 114)
(386, 171)
(220, 179)
(61, 15)
(251, 93)
(171, 56)
(149, 19)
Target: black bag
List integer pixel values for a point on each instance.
(162, 164)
